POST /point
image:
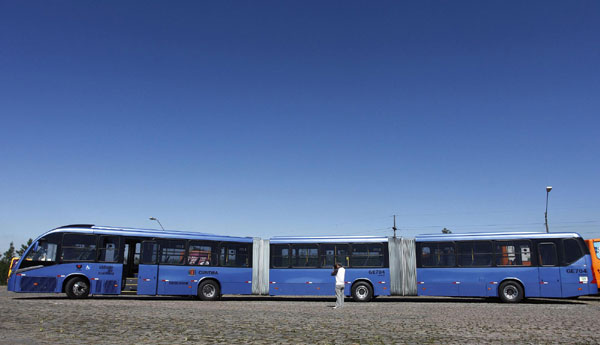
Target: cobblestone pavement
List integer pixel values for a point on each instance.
(41, 319)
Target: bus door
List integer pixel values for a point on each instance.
(576, 273)
(173, 277)
(131, 261)
(148, 269)
(549, 271)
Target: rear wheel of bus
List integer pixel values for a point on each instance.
(510, 292)
(362, 292)
(209, 290)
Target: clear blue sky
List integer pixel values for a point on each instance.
(278, 118)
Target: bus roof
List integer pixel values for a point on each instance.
(494, 236)
(328, 239)
(150, 233)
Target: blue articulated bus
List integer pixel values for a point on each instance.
(82, 260)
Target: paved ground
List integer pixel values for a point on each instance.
(41, 319)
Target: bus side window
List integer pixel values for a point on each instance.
(79, 247)
(446, 255)
(172, 252)
(280, 256)
(109, 249)
(235, 254)
(547, 254)
(367, 255)
(305, 255)
(202, 254)
(437, 254)
(573, 251)
(513, 253)
(474, 253)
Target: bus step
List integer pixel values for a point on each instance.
(130, 284)
(128, 292)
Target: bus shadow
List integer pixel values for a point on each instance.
(471, 300)
(383, 299)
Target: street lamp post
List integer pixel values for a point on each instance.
(548, 189)
(156, 219)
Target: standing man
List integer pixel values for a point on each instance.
(340, 275)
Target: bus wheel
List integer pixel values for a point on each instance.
(209, 290)
(362, 292)
(77, 288)
(510, 292)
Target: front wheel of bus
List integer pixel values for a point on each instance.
(77, 288)
(510, 292)
(209, 290)
(362, 292)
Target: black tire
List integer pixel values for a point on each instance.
(362, 292)
(77, 288)
(511, 292)
(209, 290)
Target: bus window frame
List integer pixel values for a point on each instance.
(556, 252)
(304, 245)
(384, 254)
(321, 254)
(437, 243)
(289, 257)
(472, 243)
(225, 244)
(214, 253)
(532, 252)
(156, 253)
(119, 257)
(583, 250)
(56, 239)
(160, 251)
(78, 234)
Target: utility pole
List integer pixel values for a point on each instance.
(394, 227)
(548, 189)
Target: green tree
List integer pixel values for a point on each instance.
(5, 263)
(24, 247)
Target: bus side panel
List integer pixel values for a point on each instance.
(379, 278)
(105, 278)
(44, 279)
(471, 281)
(235, 280)
(576, 277)
(302, 282)
(278, 284)
(437, 282)
(527, 276)
(175, 280)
